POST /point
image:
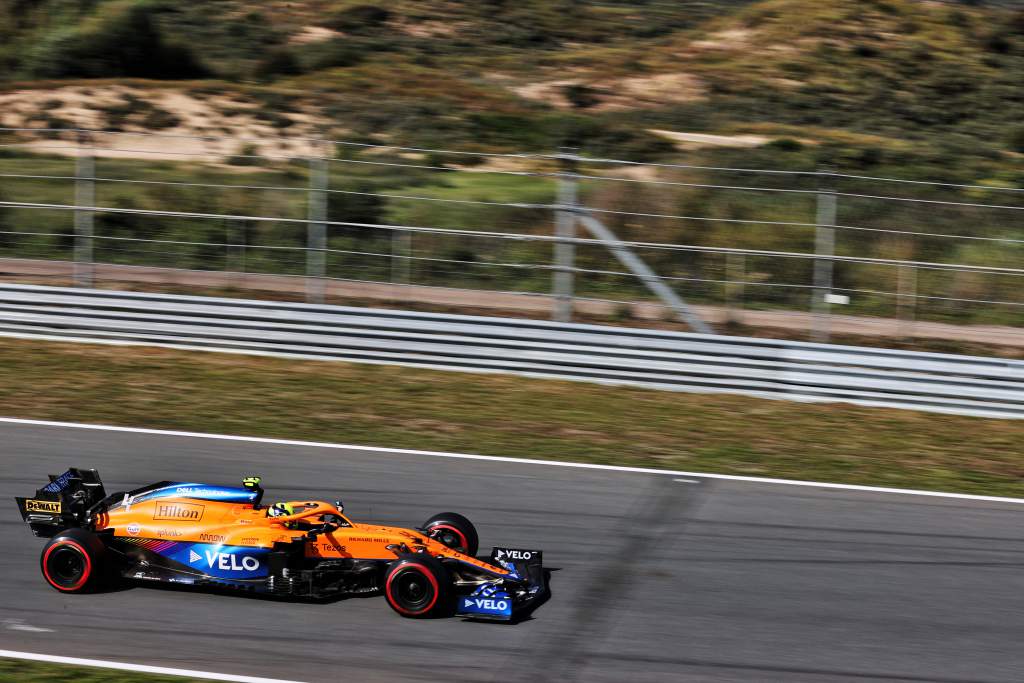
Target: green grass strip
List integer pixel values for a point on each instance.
(510, 416)
(24, 671)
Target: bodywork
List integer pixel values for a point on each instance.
(207, 535)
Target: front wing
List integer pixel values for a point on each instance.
(505, 598)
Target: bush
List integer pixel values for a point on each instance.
(355, 208)
(248, 155)
(581, 96)
(125, 43)
(158, 119)
(280, 62)
(331, 54)
(785, 145)
(357, 18)
(116, 115)
(1017, 139)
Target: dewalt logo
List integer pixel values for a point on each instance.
(179, 512)
(52, 506)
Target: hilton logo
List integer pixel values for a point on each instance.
(179, 512)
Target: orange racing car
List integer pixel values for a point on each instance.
(220, 536)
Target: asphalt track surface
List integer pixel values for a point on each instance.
(653, 579)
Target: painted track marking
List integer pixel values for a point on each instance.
(522, 461)
(140, 668)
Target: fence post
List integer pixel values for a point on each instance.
(85, 196)
(565, 227)
(316, 233)
(401, 246)
(824, 248)
(907, 299)
(735, 275)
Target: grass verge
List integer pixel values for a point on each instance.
(503, 415)
(37, 672)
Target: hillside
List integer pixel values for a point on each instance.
(915, 89)
(533, 74)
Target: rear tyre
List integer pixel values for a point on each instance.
(417, 587)
(454, 531)
(74, 561)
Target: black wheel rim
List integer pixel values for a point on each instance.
(412, 590)
(450, 539)
(65, 566)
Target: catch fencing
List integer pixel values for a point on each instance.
(514, 223)
(675, 361)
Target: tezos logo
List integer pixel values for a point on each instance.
(179, 511)
(226, 561)
(133, 529)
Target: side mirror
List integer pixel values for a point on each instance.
(338, 504)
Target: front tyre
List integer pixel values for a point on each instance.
(454, 531)
(74, 561)
(417, 587)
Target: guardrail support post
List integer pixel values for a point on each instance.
(565, 228)
(85, 196)
(316, 233)
(824, 247)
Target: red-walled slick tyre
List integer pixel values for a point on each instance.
(417, 587)
(455, 531)
(73, 561)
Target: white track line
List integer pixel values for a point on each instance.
(141, 668)
(527, 461)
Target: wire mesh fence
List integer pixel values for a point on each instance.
(735, 237)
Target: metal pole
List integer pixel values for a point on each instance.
(824, 246)
(907, 288)
(735, 274)
(234, 232)
(85, 195)
(565, 227)
(401, 245)
(646, 275)
(316, 234)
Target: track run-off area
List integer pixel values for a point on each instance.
(654, 575)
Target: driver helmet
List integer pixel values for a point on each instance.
(280, 510)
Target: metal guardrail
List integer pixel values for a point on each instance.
(677, 361)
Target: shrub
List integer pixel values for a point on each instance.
(125, 43)
(158, 119)
(280, 62)
(1017, 139)
(248, 155)
(355, 208)
(786, 145)
(581, 96)
(357, 18)
(330, 54)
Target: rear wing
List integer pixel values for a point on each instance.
(65, 502)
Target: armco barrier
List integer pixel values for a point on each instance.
(675, 361)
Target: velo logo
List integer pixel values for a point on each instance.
(485, 604)
(227, 562)
(510, 554)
